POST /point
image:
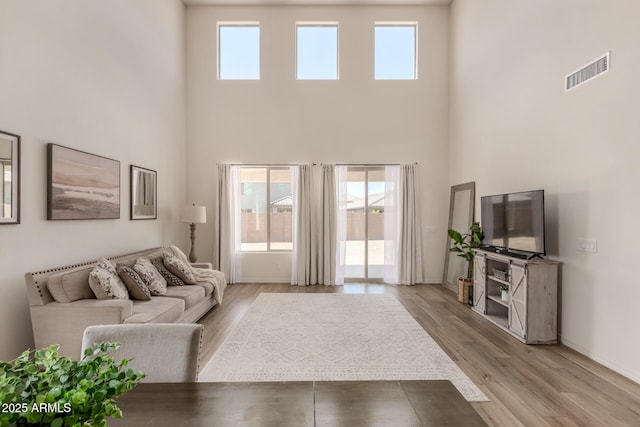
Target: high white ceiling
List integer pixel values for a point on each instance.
(313, 2)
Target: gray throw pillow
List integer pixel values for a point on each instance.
(171, 278)
(134, 283)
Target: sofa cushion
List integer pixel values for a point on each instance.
(179, 268)
(171, 278)
(190, 294)
(208, 287)
(134, 283)
(153, 279)
(157, 310)
(71, 285)
(106, 285)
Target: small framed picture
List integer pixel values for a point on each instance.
(144, 203)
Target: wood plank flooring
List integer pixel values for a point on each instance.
(528, 385)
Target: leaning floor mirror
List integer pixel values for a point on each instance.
(461, 212)
(10, 168)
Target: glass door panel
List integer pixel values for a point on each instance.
(355, 260)
(375, 223)
(365, 223)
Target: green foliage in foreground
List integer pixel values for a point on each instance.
(43, 388)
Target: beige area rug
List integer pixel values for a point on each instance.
(332, 337)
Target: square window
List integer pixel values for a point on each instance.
(317, 51)
(238, 52)
(395, 51)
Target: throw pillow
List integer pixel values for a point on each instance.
(134, 283)
(110, 266)
(171, 278)
(106, 285)
(179, 268)
(152, 278)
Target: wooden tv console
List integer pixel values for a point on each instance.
(531, 312)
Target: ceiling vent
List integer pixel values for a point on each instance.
(588, 72)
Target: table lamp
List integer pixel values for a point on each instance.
(193, 215)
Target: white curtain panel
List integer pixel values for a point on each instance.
(303, 265)
(314, 253)
(326, 229)
(341, 223)
(228, 225)
(410, 241)
(392, 213)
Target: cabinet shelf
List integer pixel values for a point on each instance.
(495, 279)
(498, 320)
(498, 299)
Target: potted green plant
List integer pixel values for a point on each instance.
(504, 291)
(43, 388)
(464, 245)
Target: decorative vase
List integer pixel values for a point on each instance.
(505, 296)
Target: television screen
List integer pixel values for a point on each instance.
(514, 221)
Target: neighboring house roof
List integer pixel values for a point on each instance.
(354, 203)
(286, 201)
(376, 200)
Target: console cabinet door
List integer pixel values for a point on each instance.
(518, 300)
(479, 283)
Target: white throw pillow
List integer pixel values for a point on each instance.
(110, 266)
(106, 285)
(152, 278)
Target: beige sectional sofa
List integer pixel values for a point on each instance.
(62, 304)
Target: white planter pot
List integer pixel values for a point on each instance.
(505, 296)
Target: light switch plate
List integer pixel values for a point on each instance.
(587, 245)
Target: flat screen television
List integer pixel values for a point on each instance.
(514, 223)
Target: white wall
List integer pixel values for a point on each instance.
(352, 120)
(106, 77)
(513, 128)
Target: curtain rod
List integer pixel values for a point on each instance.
(261, 164)
(367, 164)
(314, 164)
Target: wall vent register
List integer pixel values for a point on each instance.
(588, 72)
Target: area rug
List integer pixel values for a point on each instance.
(332, 337)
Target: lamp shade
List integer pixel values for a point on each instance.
(194, 214)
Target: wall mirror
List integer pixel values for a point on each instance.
(461, 211)
(10, 170)
(143, 193)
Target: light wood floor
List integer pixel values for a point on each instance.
(527, 385)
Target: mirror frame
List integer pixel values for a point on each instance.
(15, 179)
(135, 190)
(472, 207)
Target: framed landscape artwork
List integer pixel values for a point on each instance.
(81, 185)
(143, 193)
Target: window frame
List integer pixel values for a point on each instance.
(413, 24)
(268, 169)
(219, 25)
(335, 24)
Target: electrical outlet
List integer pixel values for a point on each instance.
(587, 245)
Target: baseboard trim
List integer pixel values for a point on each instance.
(599, 360)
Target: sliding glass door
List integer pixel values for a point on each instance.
(365, 204)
